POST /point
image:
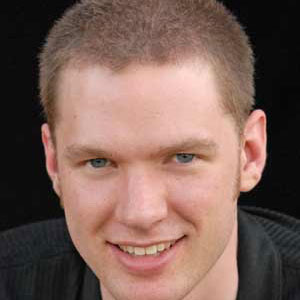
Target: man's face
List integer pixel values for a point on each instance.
(145, 158)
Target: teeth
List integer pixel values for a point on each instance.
(139, 251)
(151, 250)
(123, 248)
(161, 247)
(129, 249)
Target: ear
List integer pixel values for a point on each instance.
(253, 150)
(51, 159)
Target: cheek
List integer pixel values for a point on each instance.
(87, 204)
(202, 195)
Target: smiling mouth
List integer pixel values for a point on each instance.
(152, 250)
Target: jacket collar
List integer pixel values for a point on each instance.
(259, 263)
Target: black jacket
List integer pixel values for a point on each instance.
(39, 261)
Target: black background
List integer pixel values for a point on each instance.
(26, 193)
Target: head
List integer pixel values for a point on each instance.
(142, 143)
(116, 34)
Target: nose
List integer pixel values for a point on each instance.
(142, 200)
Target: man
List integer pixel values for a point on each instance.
(150, 137)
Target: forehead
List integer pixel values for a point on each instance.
(139, 84)
(139, 103)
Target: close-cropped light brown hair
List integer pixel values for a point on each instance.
(117, 33)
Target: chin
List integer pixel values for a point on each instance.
(148, 288)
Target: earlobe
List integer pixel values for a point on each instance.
(253, 150)
(51, 159)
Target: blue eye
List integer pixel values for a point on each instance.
(99, 163)
(184, 158)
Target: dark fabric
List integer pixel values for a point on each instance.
(39, 261)
(268, 255)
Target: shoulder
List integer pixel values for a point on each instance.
(39, 261)
(283, 231)
(269, 254)
(31, 243)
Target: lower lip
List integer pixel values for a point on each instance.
(146, 264)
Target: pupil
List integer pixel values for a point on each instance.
(185, 157)
(98, 162)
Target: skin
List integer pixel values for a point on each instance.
(139, 120)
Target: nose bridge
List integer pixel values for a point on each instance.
(142, 201)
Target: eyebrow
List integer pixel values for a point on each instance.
(82, 150)
(204, 144)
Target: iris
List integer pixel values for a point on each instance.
(184, 158)
(99, 162)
